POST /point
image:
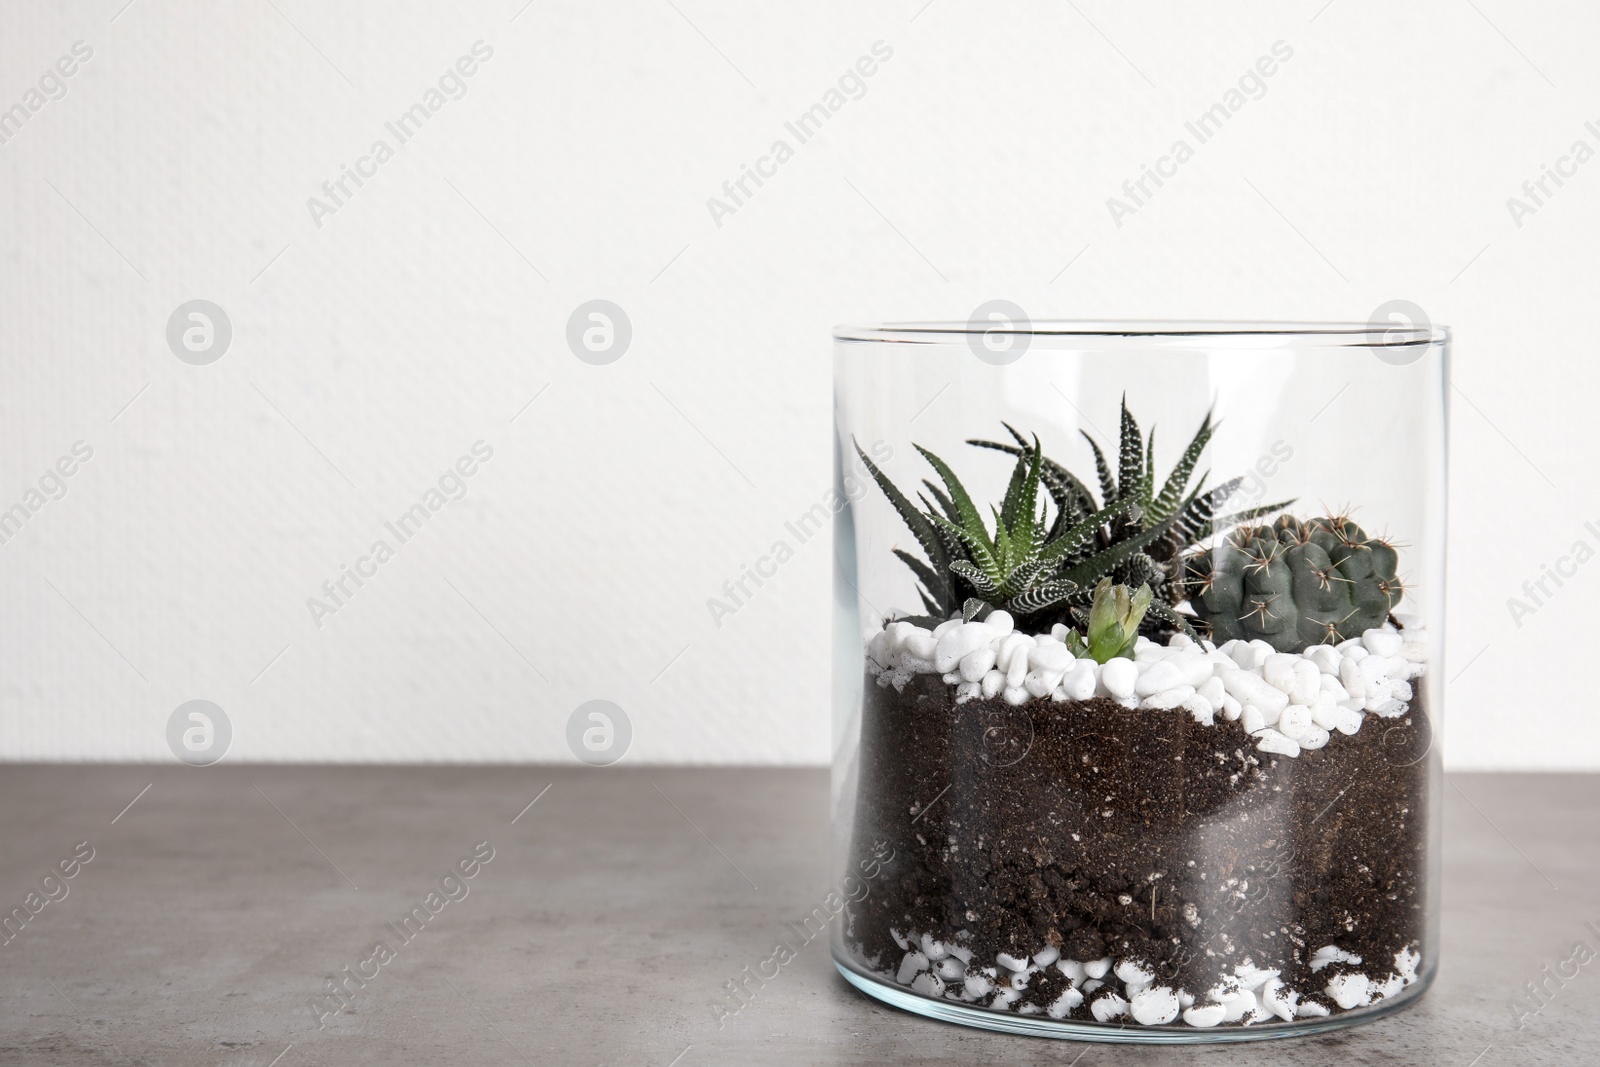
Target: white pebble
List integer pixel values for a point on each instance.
(1355, 683)
(1332, 954)
(1295, 721)
(1350, 990)
(1325, 657)
(1180, 641)
(950, 969)
(1238, 1006)
(1278, 671)
(1079, 682)
(1004, 998)
(928, 984)
(1062, 1006)
(1156, 1006)
(1310, 1009)
(1213, 691)
(1072, 969)
(1201, 710)
(1248, 688)
(1059, 631)
(934, 950)
(1119, 677)
(1231, 708)
(1307, 682)
(1383, 642)
(1375, 669)
(1334, 688)
(1016, 695)
(1414, 650)
(946, 626)
(1000, 622)
(1132, 971)
(1041, 683)
(1204, 1015)
(1156, 677)
(1195, 669)
(974, 665)
(1387, 987)
(968, 691)
(953, 678)
(1390, 709)
(1108, 1007)
(1052, 657)
(1315, 737)
(1010, 962)
(912, 965)
(1097, 968)
(993, 682)
(1270, 740)
(1167, 699)
(1046, 956)
(879, 648)
(958, 642)
(1279, 999)
(899, 938)
(1349, 721)
(978, 986)
(921, 644)
(1252, 719)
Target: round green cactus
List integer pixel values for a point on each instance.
(1295, 583)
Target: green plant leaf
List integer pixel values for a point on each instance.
(981, 551)
(1079, 534)
(971, 521)
(983, 583)
(925, 574)
(1108, 484)
(915, 521)
(1171, 492)
(1046, 595)
(1130, 469)
(943, 501)
(1178, 619)
(1104, 562)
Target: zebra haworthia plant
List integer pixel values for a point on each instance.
(1042, 568)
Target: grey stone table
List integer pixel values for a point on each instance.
(218, 902)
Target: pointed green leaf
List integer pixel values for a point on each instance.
(915, 520)
(1130, 467)
(1171, 492)
(1108, 484)
(983, 583)
(971, 521)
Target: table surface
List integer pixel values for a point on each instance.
(611, 915)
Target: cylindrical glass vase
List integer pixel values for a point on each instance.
(1138, 673)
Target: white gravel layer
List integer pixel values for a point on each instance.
(1289, 702)
(1116, 990)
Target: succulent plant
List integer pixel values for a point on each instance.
(1113, 626)
(1295, 583)
(1042, 569)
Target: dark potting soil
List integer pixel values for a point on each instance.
(1137, 834)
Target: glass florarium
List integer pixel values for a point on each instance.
(1138, 673)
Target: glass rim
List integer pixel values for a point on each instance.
(1253, 335)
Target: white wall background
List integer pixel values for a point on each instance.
(372, 351)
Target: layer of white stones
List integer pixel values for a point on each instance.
(1127, 989)
(1289, 702)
